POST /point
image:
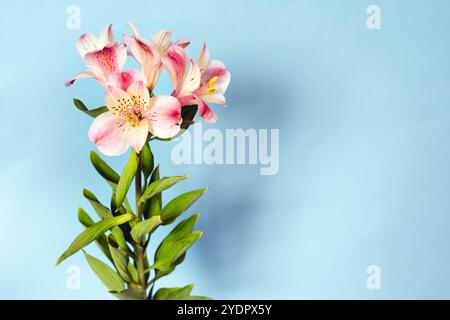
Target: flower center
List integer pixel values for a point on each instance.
(133, 120)
(211, 87)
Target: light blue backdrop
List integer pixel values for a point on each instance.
(364, 119)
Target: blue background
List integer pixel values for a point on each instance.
(364, 123)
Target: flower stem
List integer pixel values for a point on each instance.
(138, 249)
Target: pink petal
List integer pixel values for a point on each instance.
(214, 98)
(175, 60)
(206, 112)
(81, 75)
(107, 36)
(193, 78)
(118, 101)
(123, 80)
(147, 56)
(133, 28)
(203, 58)
(217, 69)
(137, 135)
(140, 95)
(87, 43)
(107, 132)
(106, 61)
(164, 116)
(182, 43)
(188, 99)
(161, 40)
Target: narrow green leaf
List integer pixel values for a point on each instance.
(104, 169)
(133, 272)
(105, 273)
(173, 248)
(101, 241)
(154, 206)
(142, 228)
(159, 186)
(130, 294)
(147, 161)
(127, 177)
(120, 260)
(173, 293)
(92, 233)
(93, 112)
(180, 204)
(167, 256)
(104, 213)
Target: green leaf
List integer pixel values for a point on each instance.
(154, 205)
(92, 233)
(101, 241)
(130, 294)
(93, 112)
(105, 273)
(147, 161)
(104, 213)
(180, 204)
(159, 186)
(173, 293)
(142, 228)
(104, 169)
(120, 260)
(127, 177)
(172, 249)
(133, 272)
(167, 256)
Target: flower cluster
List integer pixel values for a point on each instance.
(134, 112)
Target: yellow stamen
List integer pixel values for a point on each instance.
(211, 87)
(133, 119)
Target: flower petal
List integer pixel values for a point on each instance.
(182, 43)
(123, 80)
(161, 40)
(140, 95)
(81, 75)
(206, 112)
(164, 116)
(203, 58)
(106, 36)
(106, 61)
(147, 56)
(133, 28)
(107, 132)
(137, 135)
(118, 101)
(86, 43)
(215, 98)
(175, 60)
(216, 69)
(193, 77)
(188, 99)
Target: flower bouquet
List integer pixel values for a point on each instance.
(133, 116)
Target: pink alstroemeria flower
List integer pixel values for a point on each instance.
(148, 52)
(133, 114)
(205, 82)
(102, 56)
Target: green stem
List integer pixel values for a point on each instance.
(138, 249)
